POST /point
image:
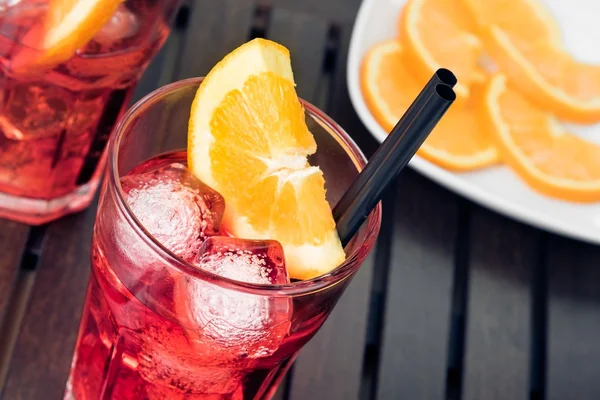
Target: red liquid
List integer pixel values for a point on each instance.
(136, 341)
(54, 125)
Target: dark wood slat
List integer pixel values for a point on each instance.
(163, 74)
(161, 70)
(502, 260)
(305, 36)
(42, 355)
(339, 11)
(340, 106)
(573, 320)
(330, 365)
(152, 74)
(417, 308)
(13, 237)
(215, 28)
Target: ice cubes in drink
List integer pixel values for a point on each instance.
(34, 111)
(166, 360)
(122, 25)
(250, 261)
(175, 207)
(229, 324)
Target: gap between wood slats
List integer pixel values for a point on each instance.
(460, 298)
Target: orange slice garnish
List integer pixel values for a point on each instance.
(248, 139)
(69, 25)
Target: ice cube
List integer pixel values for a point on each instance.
(26, 166)
(121, 43)
(250, 261)
(175, 207)
(231, 324)
(122, 25)
(35, 110)
(167, 360)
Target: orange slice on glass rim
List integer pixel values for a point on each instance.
(68, 26)
(248, 139)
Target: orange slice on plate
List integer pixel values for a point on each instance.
(69, 25)
(548, 75)
(457, 143)
(524, 41)
(248, 139)
(540, 150)
(522, 18)
(438, 33)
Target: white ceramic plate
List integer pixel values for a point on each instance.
(497, 188)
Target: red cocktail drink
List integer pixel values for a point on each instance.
(178, 307)
(55, 120)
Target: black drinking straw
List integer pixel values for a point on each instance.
(394, 153)
(442, 76)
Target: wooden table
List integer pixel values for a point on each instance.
(455, 302)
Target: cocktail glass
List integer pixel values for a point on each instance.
(155, 326)
(55, 122)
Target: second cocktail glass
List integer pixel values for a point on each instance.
(55, 121)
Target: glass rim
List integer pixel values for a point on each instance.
(359, 253)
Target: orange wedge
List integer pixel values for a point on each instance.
(69, 25)
(457, 143)
(438, 33)
(551, 78)
(524, 41)
(248, 139)
(540, 150)
(527, 19)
